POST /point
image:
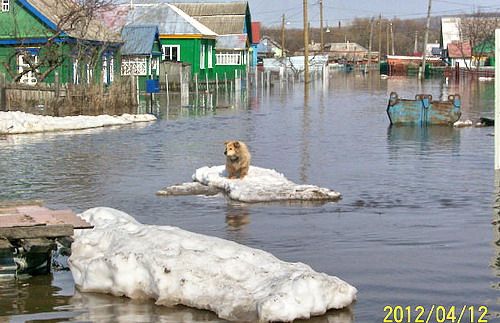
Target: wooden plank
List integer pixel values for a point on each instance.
(47, 231)
(17, 220)
(68, 217)
(5, 244)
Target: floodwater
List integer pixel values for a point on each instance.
(416, 225)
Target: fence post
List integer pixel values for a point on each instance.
(3, 106)
(497, 99)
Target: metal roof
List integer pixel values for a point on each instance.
(170, 20)
(213, 9)
(53, 12)
(232, 42)
(223, 18)
(139, 40)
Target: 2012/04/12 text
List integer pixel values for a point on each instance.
(435, 313)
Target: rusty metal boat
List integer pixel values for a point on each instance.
(423, 111)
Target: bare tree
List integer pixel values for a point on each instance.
(479, 31)
(75, 19)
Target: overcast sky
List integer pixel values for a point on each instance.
(269, 11)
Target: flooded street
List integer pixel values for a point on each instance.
(414, 226)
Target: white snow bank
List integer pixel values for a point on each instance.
(123, 257)
(15, 122)
(260, 185)
(462, 123)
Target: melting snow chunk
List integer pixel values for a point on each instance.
(121, 256)
(16, 122)
(260, 185)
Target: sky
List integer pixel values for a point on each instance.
(269, 12)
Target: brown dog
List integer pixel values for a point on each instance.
(237, 159)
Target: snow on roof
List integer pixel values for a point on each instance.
(14, 122)
(123, 257)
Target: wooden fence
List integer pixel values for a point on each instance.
(72, 99)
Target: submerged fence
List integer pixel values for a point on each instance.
(70, 99)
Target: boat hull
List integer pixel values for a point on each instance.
(423, 111)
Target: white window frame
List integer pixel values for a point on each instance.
(30, 77)
(210, 57)
(166, 51)
(202, 57)
(5, 5)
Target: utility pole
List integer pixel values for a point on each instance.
(392, 40)
(426, 37)
(306, 47)
(321, 38)
(283, 54)
(387, 38)
(369, 47)
(379, 36)
(415, 47)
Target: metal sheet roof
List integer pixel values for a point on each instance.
(138, 40)
(170, 20)
(223, 18)
(53, 12)
(213, 9)
(233, 42)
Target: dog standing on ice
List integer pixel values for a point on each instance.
(237, 159)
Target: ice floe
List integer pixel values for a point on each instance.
(16, 122)
(260, 185)
(123, 257)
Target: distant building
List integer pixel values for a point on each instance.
(268, 48)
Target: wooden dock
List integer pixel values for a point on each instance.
(29, 232)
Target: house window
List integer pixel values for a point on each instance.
(210, 57)
(23, 63)
(202, 57)
(171, 53)
(5, 5)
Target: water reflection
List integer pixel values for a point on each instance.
(421, 140)
(32, 295)
(237, 216)
(105, 308)
(495, 263)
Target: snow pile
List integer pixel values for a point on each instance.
(462, 124)
(15, 122)
(260, 185)
(123, 257)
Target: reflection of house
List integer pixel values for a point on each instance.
(141, 52)
(42, 35)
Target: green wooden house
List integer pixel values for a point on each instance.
(233, 24)
(182, 38)
(41, 38)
